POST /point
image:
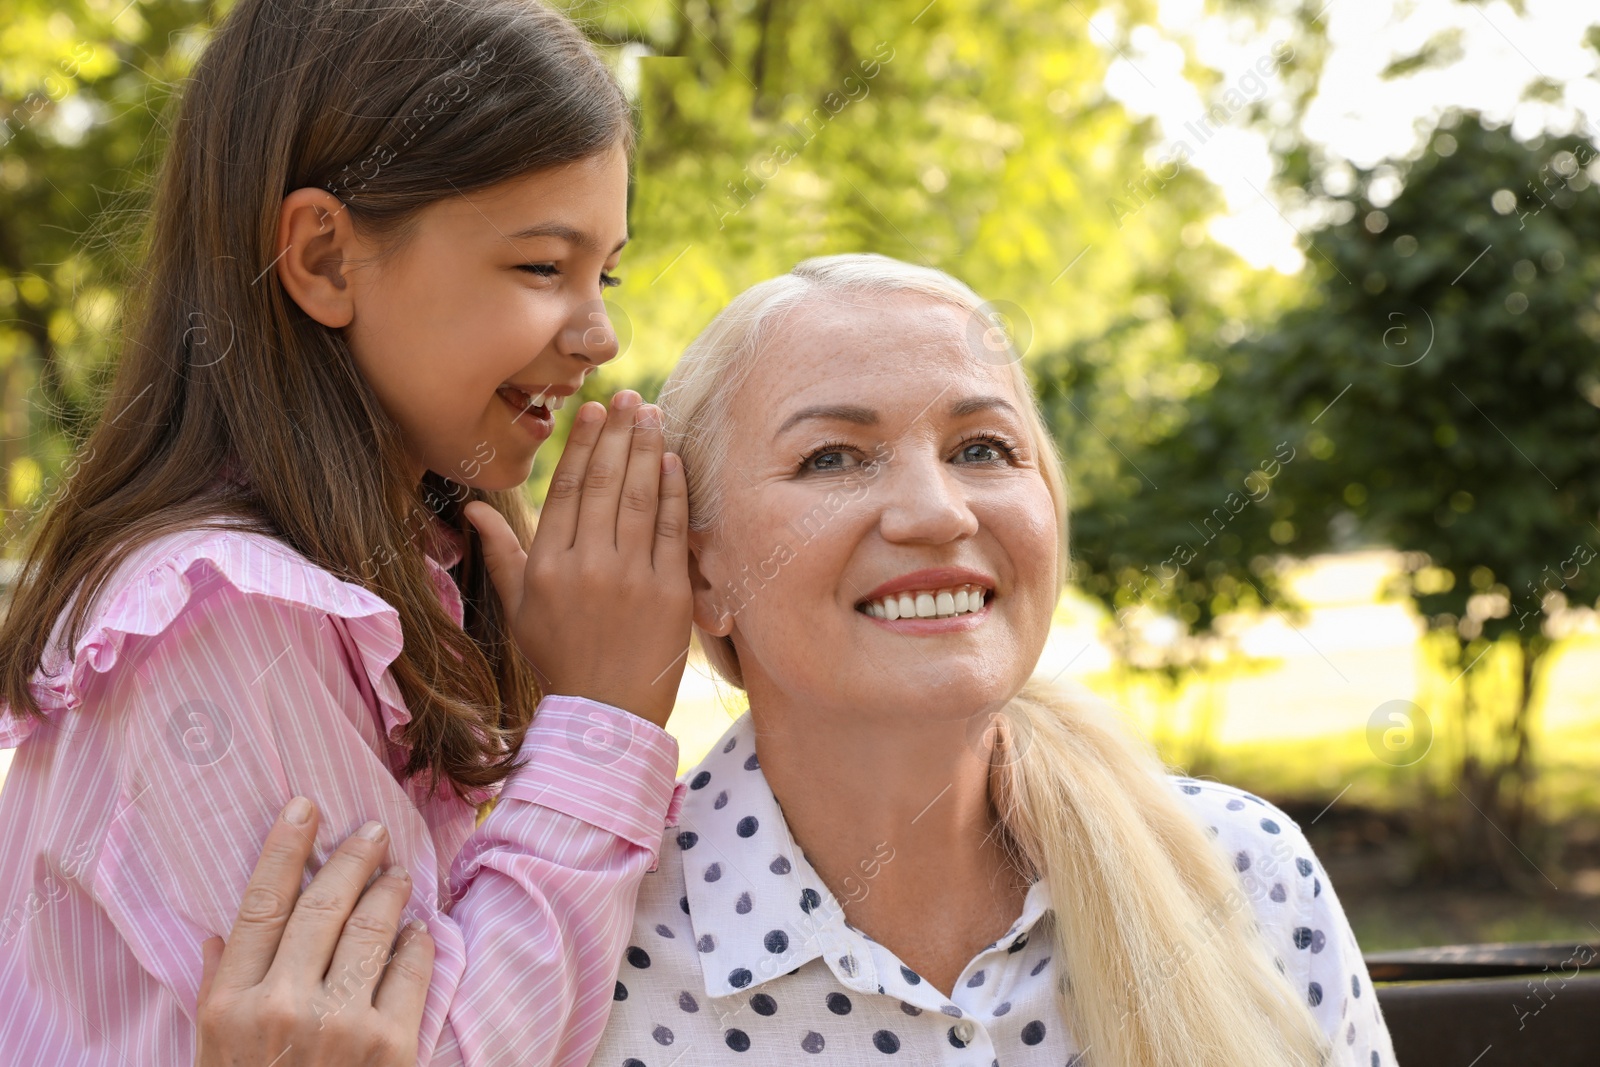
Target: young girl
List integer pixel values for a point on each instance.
(374, 272)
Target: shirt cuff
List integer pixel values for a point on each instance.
(600, 764)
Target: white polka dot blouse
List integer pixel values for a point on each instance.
(741, 955)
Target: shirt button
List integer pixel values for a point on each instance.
(964, 1030)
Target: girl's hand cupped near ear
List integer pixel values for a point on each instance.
(600, 604)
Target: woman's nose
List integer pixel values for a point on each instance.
(590, 335)
(925, 503)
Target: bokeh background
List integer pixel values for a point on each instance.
(1310, 292)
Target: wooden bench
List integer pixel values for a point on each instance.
(1518, 1005)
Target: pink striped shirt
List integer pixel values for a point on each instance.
(221, 673)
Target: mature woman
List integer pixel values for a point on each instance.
(905, 848)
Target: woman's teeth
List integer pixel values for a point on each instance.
(522, 399)
(928, 603)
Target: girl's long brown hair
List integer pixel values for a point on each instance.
(391, 105)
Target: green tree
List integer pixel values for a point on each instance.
(1442, 391)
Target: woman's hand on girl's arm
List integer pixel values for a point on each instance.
(319, 980)
(600, 605)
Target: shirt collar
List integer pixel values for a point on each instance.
(757, 906)
(443, 546)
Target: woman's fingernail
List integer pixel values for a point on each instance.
(372, 831)
(648, 415)
(625, 400)
(399, 873)
(669, 462)
(297, 811)
(591, 412)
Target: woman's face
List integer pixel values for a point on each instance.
(874, 455)
(489, 316)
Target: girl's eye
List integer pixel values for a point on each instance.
(985, 449)
(549, 270)
(830, 457)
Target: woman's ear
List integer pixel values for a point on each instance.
(316, 246)
(709, 613)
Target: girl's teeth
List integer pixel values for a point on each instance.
(528, 401)
(932, 604)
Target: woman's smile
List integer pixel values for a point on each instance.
(937, 601)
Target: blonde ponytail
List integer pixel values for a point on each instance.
(1146, 908)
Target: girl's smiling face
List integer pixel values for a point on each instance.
(874, 456)
(485, 317)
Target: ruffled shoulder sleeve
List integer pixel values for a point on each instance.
(155, 584)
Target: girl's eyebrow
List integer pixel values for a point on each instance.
(566, 233)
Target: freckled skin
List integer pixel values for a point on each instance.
(444, 321)
(861, 728)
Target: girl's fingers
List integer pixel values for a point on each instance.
(558, 519)
(368, 938)
(405, 981)
(670, 555)
(637, 505)
(608, 468)
(502, 553)
(269, 898)
(319, 917)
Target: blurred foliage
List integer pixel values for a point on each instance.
(772, 131)
(83, 84)
(1441, 389)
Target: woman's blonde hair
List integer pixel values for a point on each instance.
(1147, 913)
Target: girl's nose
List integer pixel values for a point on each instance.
(589, 334)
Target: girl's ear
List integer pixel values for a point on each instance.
(316, 246)
(709, 613)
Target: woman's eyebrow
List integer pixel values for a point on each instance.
(971, 404)
(566, 233)
(834, 412)
(867, 417)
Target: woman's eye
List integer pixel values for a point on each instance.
(543, 270)
(829, 458)
(608, 281)
(984, 450)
